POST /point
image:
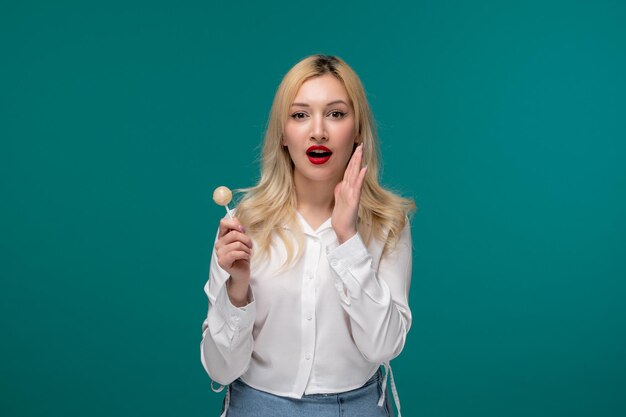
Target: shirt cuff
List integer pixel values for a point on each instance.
(237, 318)
(347, 254)
(351, 263)
(329, 239)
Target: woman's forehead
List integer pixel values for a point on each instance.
(322, 89)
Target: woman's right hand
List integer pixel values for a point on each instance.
(234, 250)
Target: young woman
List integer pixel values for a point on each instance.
(309, 283)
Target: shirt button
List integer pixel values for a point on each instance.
(334, 263)
(307, 357)
(236, 319)
(309, 318)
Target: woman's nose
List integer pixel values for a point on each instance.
(318, 129)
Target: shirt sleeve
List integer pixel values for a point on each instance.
(375, 300)
(227, 342)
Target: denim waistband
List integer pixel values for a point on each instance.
(374, 378)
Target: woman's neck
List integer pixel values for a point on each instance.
(315, 199)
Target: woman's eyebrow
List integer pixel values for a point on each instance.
(328, 104)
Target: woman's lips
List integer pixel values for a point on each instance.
(318, 154)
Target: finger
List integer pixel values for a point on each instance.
(234, 247)
(346, 173)
(238, 256)
(349, 173)
(228, 260)
(235, 236)
(361, 179)
(355, 165)
(227, 225)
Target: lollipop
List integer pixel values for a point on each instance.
(222, 196)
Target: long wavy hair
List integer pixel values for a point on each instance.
(270, 205)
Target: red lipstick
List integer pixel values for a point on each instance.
(318, 154)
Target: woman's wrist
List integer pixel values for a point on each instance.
(342, 237)
(238, 291)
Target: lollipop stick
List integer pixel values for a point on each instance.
(229, 211)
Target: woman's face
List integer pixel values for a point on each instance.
(319, 133)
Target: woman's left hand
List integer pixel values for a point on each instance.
(348, 196)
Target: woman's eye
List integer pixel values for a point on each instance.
(298, 115)
(337, 114)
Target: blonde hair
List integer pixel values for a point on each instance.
(271, 204)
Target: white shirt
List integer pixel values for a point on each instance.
(323, 325)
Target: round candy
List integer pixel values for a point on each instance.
(222, 195)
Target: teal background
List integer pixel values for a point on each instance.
(503, 120)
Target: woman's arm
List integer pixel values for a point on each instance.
(375, 300)
(226, 346)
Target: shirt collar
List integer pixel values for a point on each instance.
(307, 229)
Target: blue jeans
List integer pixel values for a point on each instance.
(246, 401)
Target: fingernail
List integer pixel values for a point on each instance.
(241, 229)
